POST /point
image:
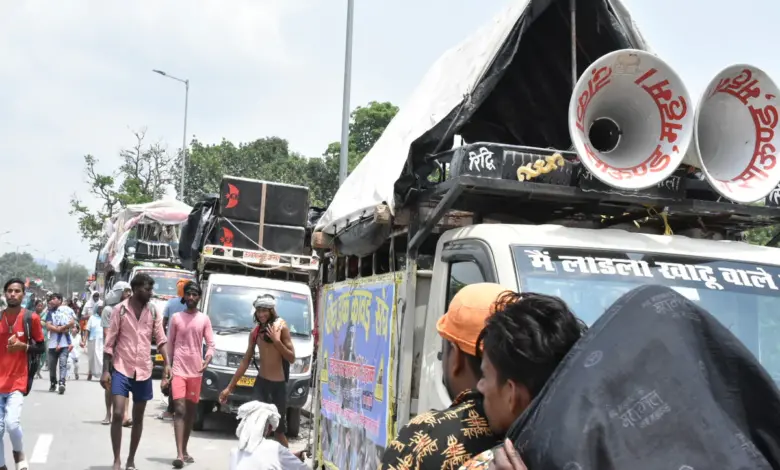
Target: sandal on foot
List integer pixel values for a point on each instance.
(188, 459)
(178, 463)
(127, 424)
(105, 422)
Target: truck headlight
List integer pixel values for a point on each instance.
(301, 365)
(219, 358)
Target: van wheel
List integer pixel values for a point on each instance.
(293, 422)
(201, 411)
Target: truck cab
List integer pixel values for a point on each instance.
(227, 300)
(735, 282)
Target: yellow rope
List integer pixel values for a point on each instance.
(540, 167)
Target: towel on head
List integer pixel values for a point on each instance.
(255, 417)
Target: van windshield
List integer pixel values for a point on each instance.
(230, 308)
(743, 297)
(165, 281)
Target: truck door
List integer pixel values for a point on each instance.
(460, 263)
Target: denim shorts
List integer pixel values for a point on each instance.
(123, 385)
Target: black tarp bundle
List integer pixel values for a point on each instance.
(657, 383)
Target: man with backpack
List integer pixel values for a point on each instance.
(134, 325)
(21, 343)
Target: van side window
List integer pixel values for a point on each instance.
(462, 273)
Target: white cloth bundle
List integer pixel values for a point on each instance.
(254, 451)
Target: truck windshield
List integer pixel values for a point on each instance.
(743, 297)
(165, 281)
(230, 308)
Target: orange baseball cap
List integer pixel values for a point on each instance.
(465, 318)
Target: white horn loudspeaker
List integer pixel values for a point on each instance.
(631, 119)
(735, 137)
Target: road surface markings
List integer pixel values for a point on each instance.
(40, 452)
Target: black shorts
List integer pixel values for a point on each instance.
(273, 393)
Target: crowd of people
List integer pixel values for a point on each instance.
(118, 333)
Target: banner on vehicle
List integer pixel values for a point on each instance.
(356, 325)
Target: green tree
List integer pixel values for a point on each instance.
(268, 158)
(761, 236)
(367, 123)
(22, 265)
(70, 277)
(143, 172)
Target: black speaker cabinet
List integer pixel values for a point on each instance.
(263, 202)
(248, 235)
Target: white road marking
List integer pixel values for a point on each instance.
(40, 452)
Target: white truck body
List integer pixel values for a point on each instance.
(500, 239)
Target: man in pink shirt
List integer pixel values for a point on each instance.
(186, 333)
(134, 324)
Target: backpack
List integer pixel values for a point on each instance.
(34, 349)
(285, 364)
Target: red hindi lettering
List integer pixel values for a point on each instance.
(659, 160)
(640, 170)
(645, 76)
(743, 87)
(746, 177)
(765, 120)
(599, 79)
(660, 92)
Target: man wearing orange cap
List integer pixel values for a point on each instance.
(461, 431)
(172, 307)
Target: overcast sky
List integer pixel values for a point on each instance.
(75, 78)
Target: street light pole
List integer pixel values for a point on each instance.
(186, 83)
(344, 154)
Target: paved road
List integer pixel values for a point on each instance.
(64, 431)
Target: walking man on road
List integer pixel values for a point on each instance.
(273, 338)
(186, 332)
(14, 346)
(59, 322)
(128, 344)
(119, 293)
(173, 306)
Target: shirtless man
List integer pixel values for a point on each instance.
(273, 338)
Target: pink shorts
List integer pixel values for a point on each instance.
(186, 388)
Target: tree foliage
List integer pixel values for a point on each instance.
(145, 169)
(761, 236)
(23, 265)
(70, 277)
(143, 172)
(271, 159)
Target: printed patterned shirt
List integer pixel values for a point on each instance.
(442, 440)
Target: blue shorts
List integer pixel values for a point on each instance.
(123, 385)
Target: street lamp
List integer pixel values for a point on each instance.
(186, 83)
(344, 154)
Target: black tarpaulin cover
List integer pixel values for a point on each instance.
(657, 383)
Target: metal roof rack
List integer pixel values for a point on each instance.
(483, 179)
(218, 258)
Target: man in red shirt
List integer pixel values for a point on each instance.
(13, 368)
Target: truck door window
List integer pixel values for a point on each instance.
(462, 273)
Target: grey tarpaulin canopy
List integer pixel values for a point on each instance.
(509, 82)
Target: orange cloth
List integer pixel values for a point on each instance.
(180, 286)
(465, 318)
